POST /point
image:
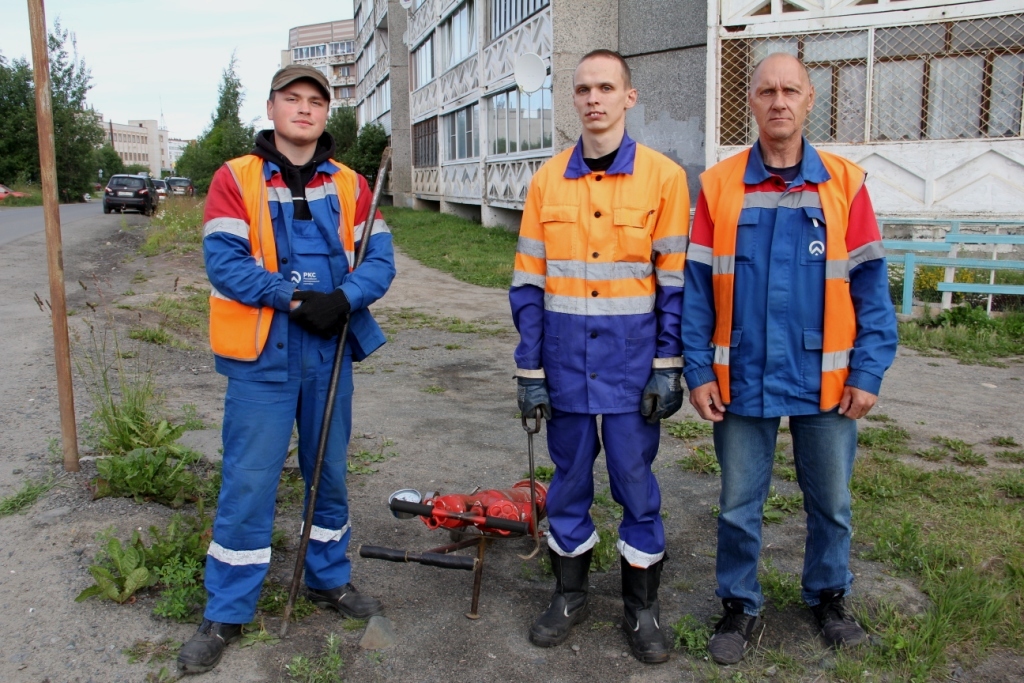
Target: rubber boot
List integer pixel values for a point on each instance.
(569, 603)
(643, 612)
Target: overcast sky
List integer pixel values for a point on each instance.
(145, 56)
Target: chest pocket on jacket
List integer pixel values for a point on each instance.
(310, 258)
(812, 237)
(633, 234)
(748, 235)
(560, 229)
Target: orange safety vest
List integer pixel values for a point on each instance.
(723, 189)
(240, 331)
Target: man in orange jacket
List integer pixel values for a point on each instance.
(596, 297)
(787, 313)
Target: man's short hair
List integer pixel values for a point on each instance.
(627, 75)
(753, 74)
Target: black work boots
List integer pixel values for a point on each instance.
(346, 600)
(203, 651)
(838, 626)
(642, 612)
(569, 603)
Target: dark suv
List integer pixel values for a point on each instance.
(130, 192)
(180, 186)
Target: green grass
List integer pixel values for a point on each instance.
(933, 454)
(34, 198)
(889, 438)
(1016, 457)
(967, 334)
(780, 588)
(1011, 483)
(702, 461)
(151, 335)
(467, 250)
(177, 226)
(1003, 441)
(187, 312)
(690, 429)
(323, 668)
(394, 320)
(26, 496)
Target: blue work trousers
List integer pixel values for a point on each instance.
(258, 422)
(630, 447)
(824, 446)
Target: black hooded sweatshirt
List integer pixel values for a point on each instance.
(295, 177)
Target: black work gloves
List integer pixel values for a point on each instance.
(322, 314)
(532, 394)
(663, 395)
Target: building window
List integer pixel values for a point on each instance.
(506, 14)
(424, 143)
(423, 64)
(461, 133)
(309, 52)
(939, 81)
(343, 92)
(343, 71)
(520, 122)
(458, 36)
(343, 47)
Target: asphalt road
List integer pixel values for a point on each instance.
(19, 222)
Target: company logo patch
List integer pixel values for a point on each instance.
(817, 248)
(296, 277)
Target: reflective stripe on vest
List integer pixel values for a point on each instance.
(237, 330)
(725, 196)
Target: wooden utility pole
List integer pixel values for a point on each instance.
(51, 216)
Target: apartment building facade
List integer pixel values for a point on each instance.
(329, 47)
(140, 142)
(925, 94)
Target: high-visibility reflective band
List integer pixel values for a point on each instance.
(669, 278)
(721, 355)
(323, 535)
(787, 200)
(315, 193)
(671, 245)
(215, 293)
(761, 200)
(379, 226)
(626, 305)
(835, 360)
(580, 270)
(582, 548)
(723, 265)
(279, 194)
(530, 247)
(664, 363)
(521, 279)
(700, 253)
(232, 226)
(638, 558)
(868, 252)
(530, 374)
(238, 558)
(837, 270)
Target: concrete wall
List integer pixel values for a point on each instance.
(664, 42)
(400, 183)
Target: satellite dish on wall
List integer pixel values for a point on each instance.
(530, 72)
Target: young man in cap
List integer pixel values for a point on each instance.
(282, 225)
(596, 297)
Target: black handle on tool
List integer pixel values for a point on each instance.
(430, 559)
(489, 522)
(332, 392)
(530, 431)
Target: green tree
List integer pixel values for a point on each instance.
(19, 150)
(343, 128)
(364, 156)
(226, 138)
(108, 161)
(136, 168)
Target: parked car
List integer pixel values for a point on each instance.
(181, 186)
(130, 192)
(6, 192)
(161, 188)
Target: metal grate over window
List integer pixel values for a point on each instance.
(507, 14)
(937, 81)
(424, 143)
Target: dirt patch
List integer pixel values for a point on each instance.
(444, 401)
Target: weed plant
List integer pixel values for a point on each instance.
(166, 475)
(889, 438)
(544, 473)
(690, 429)
(466, 250)
(781, 588)
(123, 573)
(1016, 457)
(966, 333)
(26, 496)
(702, 461)
(691, 635)
(177, 227)
(273, 598)
(323, 668)
(779, 505)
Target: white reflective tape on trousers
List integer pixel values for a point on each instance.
(238, 558)
(638, 558)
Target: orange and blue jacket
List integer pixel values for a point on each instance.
(787, 293)
(247, 246)
(597, 289)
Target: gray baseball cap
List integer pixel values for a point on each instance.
(296, 72)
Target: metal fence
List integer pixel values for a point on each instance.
(932, 81)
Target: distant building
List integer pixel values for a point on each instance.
(329, 47)
(175, 148)
(140, 142)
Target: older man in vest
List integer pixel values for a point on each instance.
(596, 297)
(787, 313)
(282, 226)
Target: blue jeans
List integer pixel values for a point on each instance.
(824, 446)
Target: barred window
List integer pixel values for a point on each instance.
(424, 143)
(462, 133)
(422, 59)
(458, 36)
(520, 122)
(507, 14)
(939, 81)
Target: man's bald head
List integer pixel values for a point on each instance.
(779, 59)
